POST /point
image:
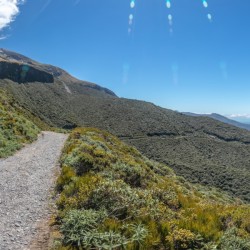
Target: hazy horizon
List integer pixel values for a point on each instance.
(242, 120)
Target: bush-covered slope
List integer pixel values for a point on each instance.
(15, 129)
(201, 149)
(222, 119)
(112, 197)
(198, 148)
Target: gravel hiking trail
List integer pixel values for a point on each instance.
(27, 180)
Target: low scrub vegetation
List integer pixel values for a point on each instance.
(15, 129)
(112, 197)
(200, 149)
(203, 160)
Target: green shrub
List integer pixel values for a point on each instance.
(145, 205)
(80, 230)
(183, 239)
(231, 241)
(77, 224)
(15, 130)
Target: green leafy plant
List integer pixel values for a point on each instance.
(80, 230)
(231, 241)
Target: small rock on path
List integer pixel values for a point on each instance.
(26, 180)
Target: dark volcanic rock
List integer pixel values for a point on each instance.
(23, 73)
(44, 73)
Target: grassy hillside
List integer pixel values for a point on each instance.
(15, 129)
(198, 148)
(112, 197)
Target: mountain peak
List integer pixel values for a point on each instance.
(22, 69)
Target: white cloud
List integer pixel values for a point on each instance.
(8, 11)
(244, 116)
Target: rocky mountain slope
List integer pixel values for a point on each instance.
(22, 69)
(199, 148)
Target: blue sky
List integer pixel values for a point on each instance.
(189, 64)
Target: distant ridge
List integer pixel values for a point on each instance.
(221, 119)
(21, 69)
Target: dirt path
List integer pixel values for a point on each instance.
(26, 180)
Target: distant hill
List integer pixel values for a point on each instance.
(201, 149)
(221, 119)
(22, 69)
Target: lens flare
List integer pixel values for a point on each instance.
(168, 4)
(205, 3)
(210, 17)
(25, 70)
(132, 4)
(131, 16)
(130, 19)
(170, 22)
(125, 69)
(170, 17)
